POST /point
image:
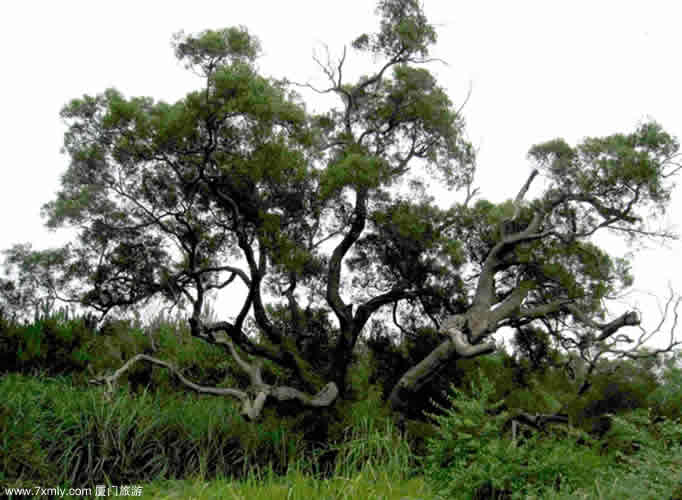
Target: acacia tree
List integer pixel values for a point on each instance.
(236, 187)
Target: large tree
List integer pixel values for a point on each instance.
(321, 222)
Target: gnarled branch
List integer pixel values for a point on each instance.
(253, 399)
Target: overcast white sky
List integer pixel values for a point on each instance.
(538, 70)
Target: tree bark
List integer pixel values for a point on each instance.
(456, 346)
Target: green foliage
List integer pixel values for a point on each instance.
(619, 175)
(315, 345)
(618, 387)
(213, 47)
(235, 184)
(120, 340)
(404, 30)
(353, 170)
(534, 345)
(74, 434)
(406, 245)
(38, 275)
(112, 137)
(53, 345)
(53, 431)
(470, 453)
(129, 440)
(297, 484)
(366, 437)
(56, 345)
(22, 458)
(389, 360)
(648, 451)
(666, 399)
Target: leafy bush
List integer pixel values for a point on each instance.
(470, 455)
(648, 451)
(52, 345)
(667, 398)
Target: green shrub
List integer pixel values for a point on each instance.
(53, 345)
(667, 398)
(648, 451)
(470, 455)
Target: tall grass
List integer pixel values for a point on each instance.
(55, 430)
(76, 436)
(55, 433)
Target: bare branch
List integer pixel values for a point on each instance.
(252, 370)
(522, 194)
(313, 88)
(235, 270)
(607, 329)
(324, 398)
(456, 345)
(536, 421)
(541, 311)
(111, 379)
(342, 311)
(251, 406)
(508, 305)
(466, 99)
(672, 306)
(454, 327)
(485, 290)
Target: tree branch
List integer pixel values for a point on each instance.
(253, 399)
(522, 193)
(607, 329)
(343, 312)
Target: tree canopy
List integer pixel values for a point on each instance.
(238, 187)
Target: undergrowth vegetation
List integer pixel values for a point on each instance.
(623, 439)
(472, 457)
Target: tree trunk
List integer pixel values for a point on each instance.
(456, 346)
